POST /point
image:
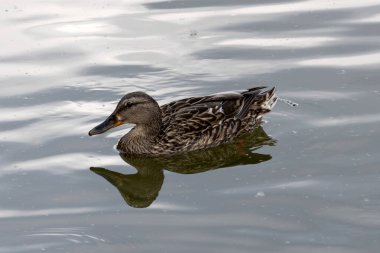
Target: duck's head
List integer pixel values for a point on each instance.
(137, 108)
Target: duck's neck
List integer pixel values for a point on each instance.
(141, 138)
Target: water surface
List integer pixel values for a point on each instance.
(309, 181)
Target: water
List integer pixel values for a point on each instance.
(309, 181)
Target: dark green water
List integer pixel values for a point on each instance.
(307, 181)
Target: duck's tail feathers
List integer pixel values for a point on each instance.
(257, 101)
(269, 99)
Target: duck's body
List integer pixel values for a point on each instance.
(188, 124)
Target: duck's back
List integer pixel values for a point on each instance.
(204, 122)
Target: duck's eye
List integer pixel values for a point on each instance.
(128, 104)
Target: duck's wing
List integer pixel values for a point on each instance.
(212, 119)
(175, 106)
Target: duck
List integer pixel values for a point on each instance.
(188, 124)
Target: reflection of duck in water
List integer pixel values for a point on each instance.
(188, 124)
(141, 189)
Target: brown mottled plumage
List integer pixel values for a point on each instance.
(187, 124)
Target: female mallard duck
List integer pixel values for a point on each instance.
(187, 124)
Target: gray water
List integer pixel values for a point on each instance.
(308, 182)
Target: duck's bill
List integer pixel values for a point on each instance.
(109, 123)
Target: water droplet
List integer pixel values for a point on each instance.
(287, 101)
(260, 194)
